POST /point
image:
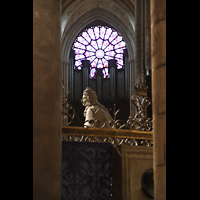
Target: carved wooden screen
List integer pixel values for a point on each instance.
(86, 171)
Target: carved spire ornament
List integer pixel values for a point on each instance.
(141, 88)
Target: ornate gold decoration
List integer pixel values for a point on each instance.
(70, 110)
(99, 132)
(140, 121)
(118, 123)
(141, 88)
(136, 130)
(114, 136)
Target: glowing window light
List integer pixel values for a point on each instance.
(106, 73)
(92, 73)
(99, 44)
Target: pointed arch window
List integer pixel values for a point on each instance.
(99, 44)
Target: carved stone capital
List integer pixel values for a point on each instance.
(131, 60)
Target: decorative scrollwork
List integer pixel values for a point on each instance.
(140, 121)
(113, 140)
(70, 110)
(117, 123)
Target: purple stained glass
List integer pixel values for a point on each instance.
(105, 62)
(119, 67)
(91, 58)
(100, 64)
(109, 48)
(110, 53)
(92, 73)
(79, 51)
(94, 44)
(99, 53)
(94, 62)
(119, 62)
(102, 32)
(90, 48)
(77, 57)
(91, 33)
(86, 36)
(116, 40)
(105, 44)
(112, 36)
(119, 50)
(89, 53)
(120, 45)
(77, 63)
(106, 73)
(108, 57)
(96, 31)
(108, 32)
(119, 56)
(79, 45)
(82, 40)
(99, 44)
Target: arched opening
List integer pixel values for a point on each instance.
(107, 74)
(96, 16)
(98, 45)
(110, 91)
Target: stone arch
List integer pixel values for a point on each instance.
(71, 33)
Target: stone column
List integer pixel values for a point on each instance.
(127, 77)
(132, 84)
(112, 66)
(138, 39)
(64, 88)
(99, 84)
(147, 37)
(158, 59)
(47, 109)
(71, 78)
(86, 70)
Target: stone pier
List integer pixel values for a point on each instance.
(47, 89)
(158, 60)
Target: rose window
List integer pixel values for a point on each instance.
(99, 44)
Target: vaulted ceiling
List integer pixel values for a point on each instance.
(130, 4)
(79, 14)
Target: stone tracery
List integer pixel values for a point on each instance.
(99, 44)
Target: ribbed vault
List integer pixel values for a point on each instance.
(80, 14)
(73, 28)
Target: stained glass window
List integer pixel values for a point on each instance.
(99, 44)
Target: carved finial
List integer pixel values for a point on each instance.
(141, 88)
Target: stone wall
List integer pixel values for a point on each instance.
(135, 161)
